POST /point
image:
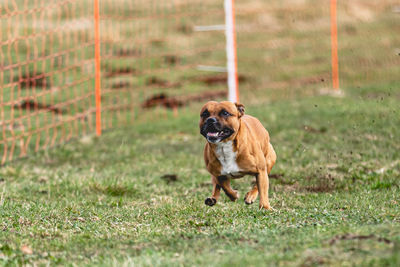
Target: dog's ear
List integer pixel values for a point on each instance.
(240, 108)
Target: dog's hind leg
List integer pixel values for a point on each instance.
(211, 201)
(251, 196)
(270, 158)
(225, 184)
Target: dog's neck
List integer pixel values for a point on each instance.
(235, 140)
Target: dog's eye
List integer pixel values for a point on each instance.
(225, 113)
(205, 114)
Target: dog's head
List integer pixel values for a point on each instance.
(220, 121)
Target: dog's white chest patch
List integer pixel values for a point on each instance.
(227, 158)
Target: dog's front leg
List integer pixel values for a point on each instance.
(225, 183)
(211, 201)
(263, 185)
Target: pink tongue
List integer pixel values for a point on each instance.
(212, 134)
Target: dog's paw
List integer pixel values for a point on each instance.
(250, 198)
(235, 196)
(266, 207)
(210, 201)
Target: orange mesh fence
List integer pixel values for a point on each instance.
(48, 77)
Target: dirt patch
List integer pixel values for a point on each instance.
(185, 29)
(321, 184)
(172, 60)
(218, 79)
(310, 129)
(128, 52)
(162, 100)
(170, 178)
(320, 188)
(173, 102)
(120, 85)
(31, 104)
(207, 95)
(158, 82)
(276, 176)
(318, 182)
(286, 187)
(359, 237)
(120, 72)
(29, 80)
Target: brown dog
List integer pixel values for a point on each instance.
(237, 145)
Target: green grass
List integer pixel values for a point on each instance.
(101, 201)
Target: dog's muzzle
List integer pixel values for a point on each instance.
(214, 131)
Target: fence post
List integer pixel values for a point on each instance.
(334, 44)
(97, 66)
(231, 53)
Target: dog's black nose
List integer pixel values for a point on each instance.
(211, 120)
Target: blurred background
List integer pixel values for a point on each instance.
(158, 56)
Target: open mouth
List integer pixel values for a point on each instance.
(210, 134)
(214, 135)
(214, 131)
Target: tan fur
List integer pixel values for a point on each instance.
(255, 155)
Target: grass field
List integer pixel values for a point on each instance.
(102, 201)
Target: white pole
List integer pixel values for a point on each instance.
(233, 92)
(209, 28)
